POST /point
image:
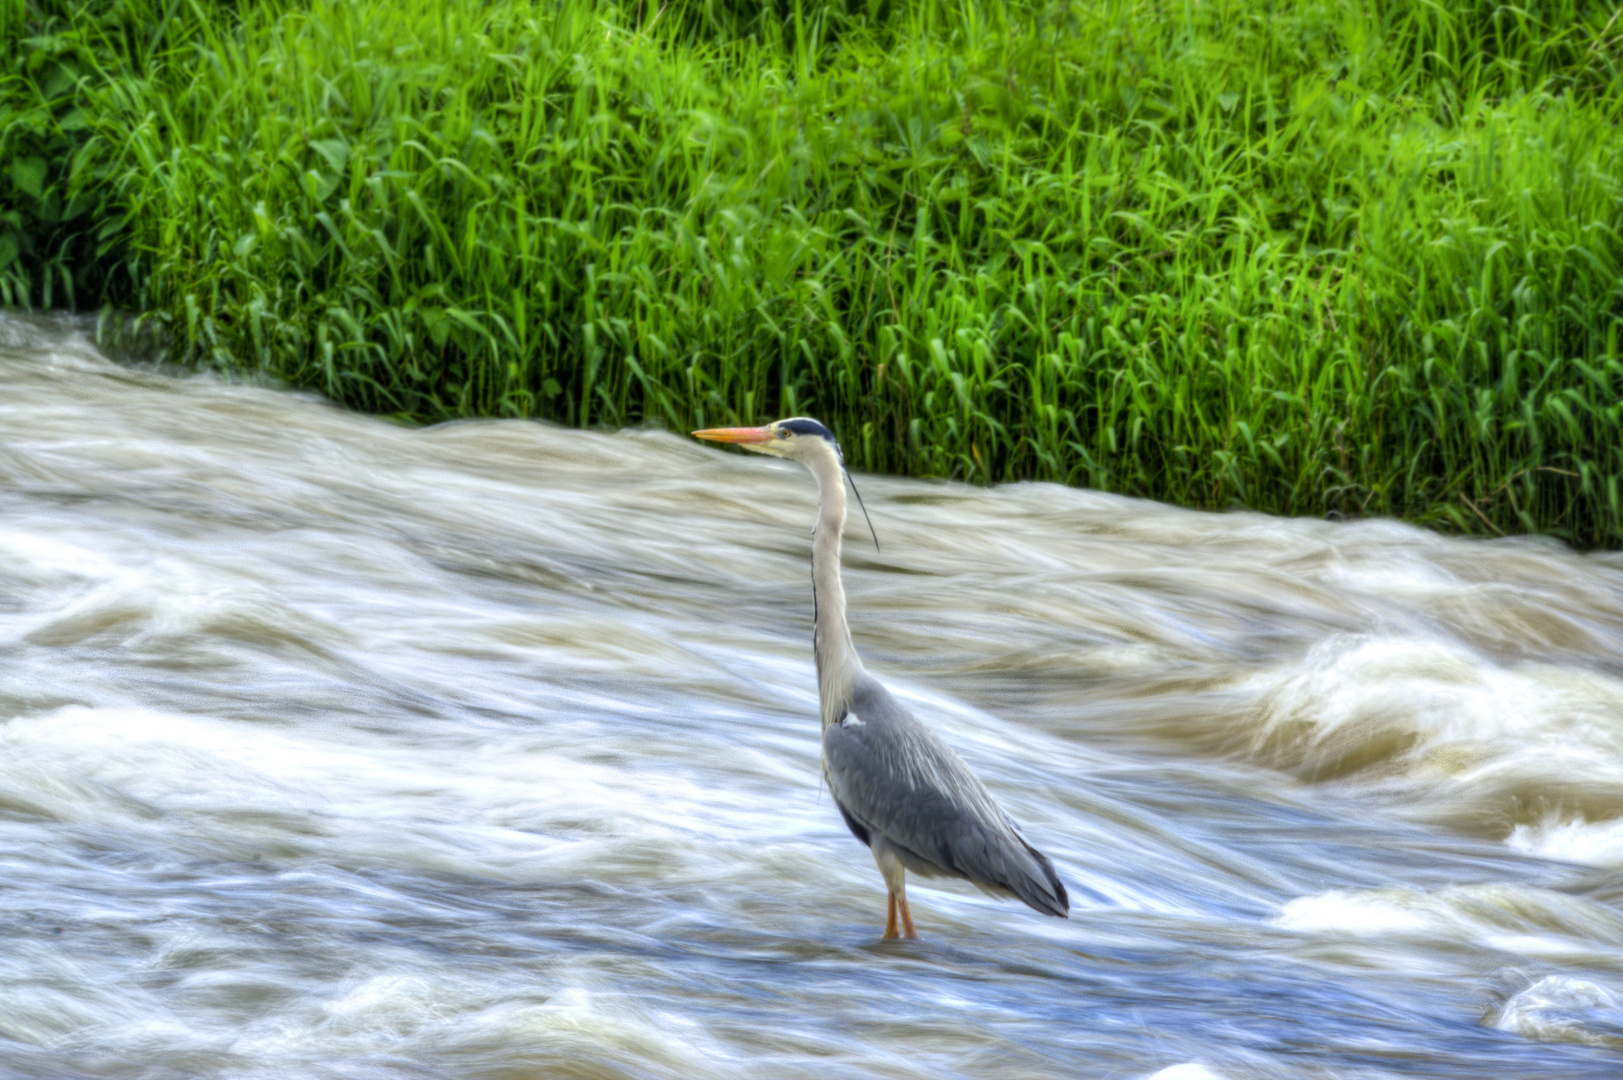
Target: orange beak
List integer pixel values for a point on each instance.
(748, 436)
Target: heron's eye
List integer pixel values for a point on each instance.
(783, 433)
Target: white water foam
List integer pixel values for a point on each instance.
(1358, 701)
(1523, 920)
(1489, 746)
(1598, 843)
(578, 1021)
(1561, 1008)
(1188, 1070)
(508, 808)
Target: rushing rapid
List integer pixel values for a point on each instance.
(331, 748)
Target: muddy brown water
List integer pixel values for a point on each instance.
(330, 748)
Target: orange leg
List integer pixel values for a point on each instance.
(907, 916)
(890, 919)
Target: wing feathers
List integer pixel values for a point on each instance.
(892, 777)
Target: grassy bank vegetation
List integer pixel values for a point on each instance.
(1308, 256)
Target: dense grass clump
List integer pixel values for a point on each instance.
(1308, 256)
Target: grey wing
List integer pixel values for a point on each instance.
(892, 777)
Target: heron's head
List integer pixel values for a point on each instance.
(799, 438)
(794, 438)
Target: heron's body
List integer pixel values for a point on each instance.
(914, 802)
(901, 790)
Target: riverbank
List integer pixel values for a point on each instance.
(1311, 258)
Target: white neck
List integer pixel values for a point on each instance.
(837, 661)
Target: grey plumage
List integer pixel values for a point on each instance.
(901, 790)
(892, 777)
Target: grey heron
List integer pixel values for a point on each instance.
(902, 791)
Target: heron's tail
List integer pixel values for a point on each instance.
(1047, 893)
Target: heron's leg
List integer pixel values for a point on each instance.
(895, 874)
(890, 918)
(907, 917)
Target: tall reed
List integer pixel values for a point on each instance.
(1306, 256)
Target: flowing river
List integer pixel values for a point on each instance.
(330, 748)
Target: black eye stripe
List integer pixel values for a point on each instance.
(800, 425)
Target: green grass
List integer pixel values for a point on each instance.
(1307, 256)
